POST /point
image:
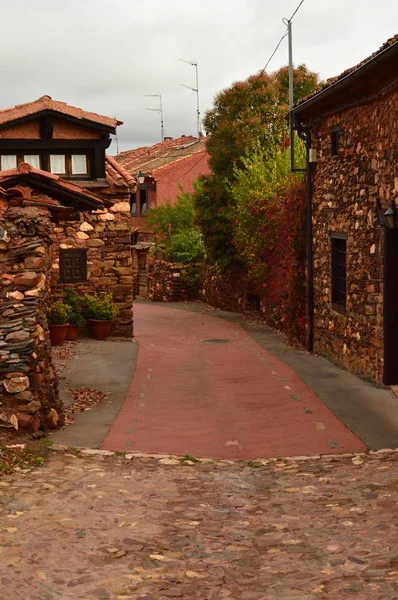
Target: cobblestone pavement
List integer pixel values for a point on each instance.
(89, 527)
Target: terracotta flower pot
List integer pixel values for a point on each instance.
(58, 334)
(100, 329)
(71, 333)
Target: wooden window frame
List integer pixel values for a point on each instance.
(339, 271)
(44, 158)
(63, 256)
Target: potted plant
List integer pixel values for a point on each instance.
(58, 321)
(76, 318)
(100, 311)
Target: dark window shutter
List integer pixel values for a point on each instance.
(339, 272)
(72, 265)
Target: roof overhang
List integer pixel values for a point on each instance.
(51, 113)
(373, 76)
(69, 194)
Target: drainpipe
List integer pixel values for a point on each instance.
(305, 134)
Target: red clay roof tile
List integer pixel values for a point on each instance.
(117, 174)
(26, 169)
(150, 159)
(47, 103)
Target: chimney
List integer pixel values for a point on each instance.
(167, 138)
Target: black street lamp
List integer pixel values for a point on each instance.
(140, 177)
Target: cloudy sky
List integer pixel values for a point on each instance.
(105, 55)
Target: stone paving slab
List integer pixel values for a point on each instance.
(104, 527)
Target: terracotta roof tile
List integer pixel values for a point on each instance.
(332, 80)
(149, 159)
(68, 186)
(118, 175)
(47, 103)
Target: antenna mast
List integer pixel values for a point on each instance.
(158, 110)
(198, 119)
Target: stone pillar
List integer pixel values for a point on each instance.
(28, 383)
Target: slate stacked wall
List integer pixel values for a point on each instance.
(105, 233)
(346, 187)
(28, 383)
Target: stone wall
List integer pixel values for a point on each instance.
(168, 282)
(346, 188)
(225, 290)
(28, 384)
(106, 235)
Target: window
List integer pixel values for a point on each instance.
(143, 200)
(72, 265)
(133, 205)
(339, 270)
(334, 140)
(57, 164)
(33, 160)
(8, 161)
(79, 164)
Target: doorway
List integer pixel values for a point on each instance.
(391, 307)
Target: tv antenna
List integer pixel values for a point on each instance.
(194, 89)
(158, 110)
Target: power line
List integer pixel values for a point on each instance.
(297, 9)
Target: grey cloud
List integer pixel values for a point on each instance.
(105, 55)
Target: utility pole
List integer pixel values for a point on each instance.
(158, 110)
(288, 23)
(198, 120)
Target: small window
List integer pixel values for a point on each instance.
(72, 265)
(8, 161)
(33, 160)
(79, 164)
(133, 205)
(339, 270)
(57, 163)
(143, 200)
(334, 140)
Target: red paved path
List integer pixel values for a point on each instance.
(230, 400)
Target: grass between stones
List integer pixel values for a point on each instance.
(23, 456)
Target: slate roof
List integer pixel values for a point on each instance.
(391, 43)
(47, 103)
(12, 176)
(149, 159)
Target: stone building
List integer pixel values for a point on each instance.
(64, 221)
(167, 168)
(65, 144)
(353, 125)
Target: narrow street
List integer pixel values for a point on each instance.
(204, 387)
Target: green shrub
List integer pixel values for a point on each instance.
(72, 299)
(59, 313)
(100, 306)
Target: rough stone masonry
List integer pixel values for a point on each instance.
(28, 383)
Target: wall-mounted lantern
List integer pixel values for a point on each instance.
(140, 177)
(387, 218)
(390, 217)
